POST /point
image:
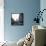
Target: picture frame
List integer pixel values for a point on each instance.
(17, 19)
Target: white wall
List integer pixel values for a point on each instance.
(1, 20)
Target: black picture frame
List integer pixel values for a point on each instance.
(17, 19)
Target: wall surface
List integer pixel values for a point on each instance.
(29, 8)
(43, 6)
(1, 20)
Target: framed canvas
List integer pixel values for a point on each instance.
(17, 19)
